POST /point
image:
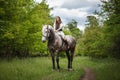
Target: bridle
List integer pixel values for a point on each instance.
(46, 37)
(47, 32)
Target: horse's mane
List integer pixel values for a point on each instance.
(53, 34)
(49, 26)
(51, 31)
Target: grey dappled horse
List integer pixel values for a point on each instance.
(56, 44)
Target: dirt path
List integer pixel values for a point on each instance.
(89, 74)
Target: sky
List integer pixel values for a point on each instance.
(73, 9)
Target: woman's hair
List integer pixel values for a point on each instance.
(58, 19)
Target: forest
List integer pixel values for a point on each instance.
(23, 55)
(21, 23)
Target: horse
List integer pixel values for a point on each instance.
(56, 45)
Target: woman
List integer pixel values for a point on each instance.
(58, 28)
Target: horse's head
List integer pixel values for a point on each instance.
(45, 32)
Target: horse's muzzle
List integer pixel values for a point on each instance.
(43, 39)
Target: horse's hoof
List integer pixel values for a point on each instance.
(58, 70)
(70, 69)
(53, 69)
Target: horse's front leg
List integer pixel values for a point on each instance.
(57, 60)
(53, 59)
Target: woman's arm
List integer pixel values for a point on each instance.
(54, 26)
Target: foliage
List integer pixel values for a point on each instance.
(66, 31)
(112, 27)
(72, 26)
(102, 40)
(92, 43)
(20, 27)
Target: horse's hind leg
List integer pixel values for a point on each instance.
(57, 60)
(71, 58)
(68, 57)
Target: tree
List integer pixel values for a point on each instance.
(92, 43)
(20, 27)
(112, 26)
(72, 26)
(11, 15)
(92, 21)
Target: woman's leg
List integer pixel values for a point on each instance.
(64, 38)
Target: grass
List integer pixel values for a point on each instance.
(40, 68)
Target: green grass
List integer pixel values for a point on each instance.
(40, 68)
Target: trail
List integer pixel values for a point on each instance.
(89, 74)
